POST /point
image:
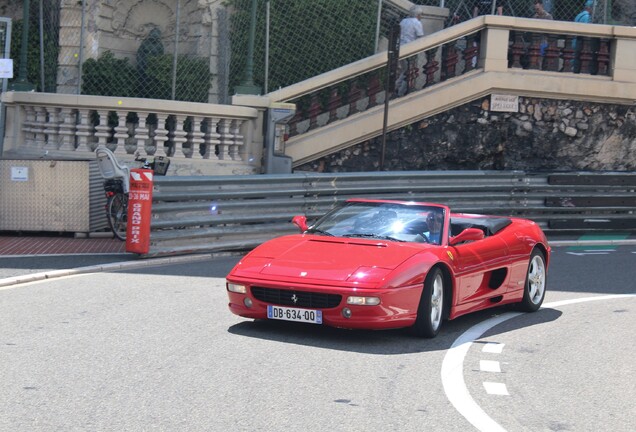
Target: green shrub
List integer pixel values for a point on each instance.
(108, 76)
(193, 78)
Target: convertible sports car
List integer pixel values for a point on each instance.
(379, 264)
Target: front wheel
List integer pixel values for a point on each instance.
(534, 289)
(117, 213)
(431, 308)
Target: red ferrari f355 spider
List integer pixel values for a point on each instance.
(379, 264)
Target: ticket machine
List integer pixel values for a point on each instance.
(275, 161)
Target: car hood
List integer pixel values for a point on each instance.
(324, 258)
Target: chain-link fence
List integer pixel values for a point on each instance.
(616, 12)
(204, 50)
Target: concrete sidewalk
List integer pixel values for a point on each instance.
(13, 244)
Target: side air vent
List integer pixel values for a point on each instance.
(497, 277)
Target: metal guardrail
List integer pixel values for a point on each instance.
(232, 213)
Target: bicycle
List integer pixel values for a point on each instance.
(117, 186)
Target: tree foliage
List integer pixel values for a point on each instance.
(33, 66)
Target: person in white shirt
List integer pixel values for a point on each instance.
(410, 30)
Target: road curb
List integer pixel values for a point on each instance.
(126, 265)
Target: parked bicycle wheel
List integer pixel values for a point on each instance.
(117, 213)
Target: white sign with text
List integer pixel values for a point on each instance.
(504, 103)
(6, 68)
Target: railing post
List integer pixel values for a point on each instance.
(121, 130)
(568, 54)
(431, 66)
(493, 52)
(517, 49)
(67, 129)
(534, 53)
(160, 135)
(141, 132)
(551, 61)
(623, 60)
(211, 138)
(450, 58)
(51, 128)
(603, 57)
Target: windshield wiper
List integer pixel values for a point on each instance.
(318, 231)
(377, 236)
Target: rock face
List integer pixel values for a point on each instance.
(545, 135)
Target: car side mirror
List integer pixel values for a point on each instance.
(300, 222)
(469, 234)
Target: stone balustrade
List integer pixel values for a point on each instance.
(199, 138)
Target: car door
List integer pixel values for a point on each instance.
(475, 263)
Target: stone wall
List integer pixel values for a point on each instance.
(543, 135)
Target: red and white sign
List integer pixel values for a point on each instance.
(139, 211)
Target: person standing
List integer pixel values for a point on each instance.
(484, 7)
(585, 16)
(541, 13)
(410, 29)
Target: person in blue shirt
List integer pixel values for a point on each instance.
(586, 14)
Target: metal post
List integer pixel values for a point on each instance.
(22, 83)
(265, 84)
(377, 27)
(393, 57)
(5, 54)
(248, 86)
(174, 56)
(81, 48)
(42, 48)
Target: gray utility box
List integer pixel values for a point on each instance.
(50, 195)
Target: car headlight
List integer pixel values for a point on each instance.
(237, 288)
(363, 301)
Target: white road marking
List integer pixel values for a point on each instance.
(453, 365)
(489, 366)
(498, 389)
(493, 347)
(587, 253)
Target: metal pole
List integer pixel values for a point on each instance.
(41, 47)
(377, 27)
(81, 48)
(5, 54)
(174, 56)
(22, 83)
(248, 87)
(393, 57)
(249, 69)
(265, 84)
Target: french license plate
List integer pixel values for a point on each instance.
(294, 314)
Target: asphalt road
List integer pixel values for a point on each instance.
(155, 349)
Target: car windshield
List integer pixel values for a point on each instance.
(386, 221)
